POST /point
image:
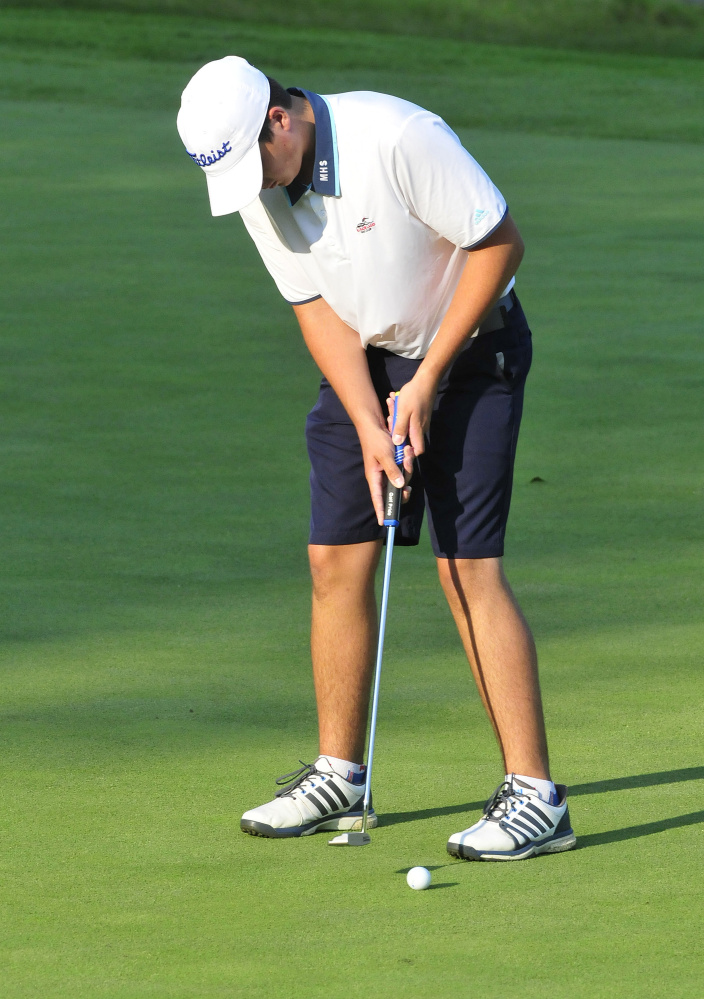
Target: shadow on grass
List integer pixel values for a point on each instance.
(640, 780)
(434, 867)
(635, 832)
(429, 867)
(595, 787)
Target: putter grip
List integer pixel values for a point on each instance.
(392, 506)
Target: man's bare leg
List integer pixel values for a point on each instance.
(343, 643)
(501, 652)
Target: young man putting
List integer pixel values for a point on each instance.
(398, 256)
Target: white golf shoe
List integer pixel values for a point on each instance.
(516, 824)
(311, 799)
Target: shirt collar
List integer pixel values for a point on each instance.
(325, 170)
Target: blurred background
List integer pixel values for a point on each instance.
(154, 507)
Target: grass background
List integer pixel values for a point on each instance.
(154, 506)
(663, 27)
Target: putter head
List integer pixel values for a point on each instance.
(350, 839)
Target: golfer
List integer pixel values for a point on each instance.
(398, 256)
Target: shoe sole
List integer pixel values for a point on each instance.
(560, 844)
(349, 822)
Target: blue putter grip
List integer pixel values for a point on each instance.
(392, 506)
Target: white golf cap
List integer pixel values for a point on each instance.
(222, 112)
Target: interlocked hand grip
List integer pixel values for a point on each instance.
(392, 506)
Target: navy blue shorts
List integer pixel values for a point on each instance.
(463, 479)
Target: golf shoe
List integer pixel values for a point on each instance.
(516, 825)
(313, 798)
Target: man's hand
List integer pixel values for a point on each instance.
(338, 352)
(379, 464)
(414, 408)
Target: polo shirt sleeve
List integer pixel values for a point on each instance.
(442, 184)
(291, 279)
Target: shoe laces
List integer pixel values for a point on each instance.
(503, 801)
(290, 783)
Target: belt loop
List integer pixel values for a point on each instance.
(504, 311)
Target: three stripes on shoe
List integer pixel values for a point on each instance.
(530, 822)
(328, 803)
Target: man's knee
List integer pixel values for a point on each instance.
(325, 565)
(337, 567)
(463, 578)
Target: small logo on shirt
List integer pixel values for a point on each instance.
(365, 225)
(323, 171)
(481, 213)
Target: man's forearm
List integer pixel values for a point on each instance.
(337, 350)
(487, 271)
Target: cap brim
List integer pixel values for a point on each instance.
(237, 187)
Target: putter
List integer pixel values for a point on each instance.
(392, 511)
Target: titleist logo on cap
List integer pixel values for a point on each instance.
(207, 159)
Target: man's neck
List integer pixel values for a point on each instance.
(304, 114)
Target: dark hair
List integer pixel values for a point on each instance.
(278, 98)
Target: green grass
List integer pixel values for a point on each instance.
(144, 62)
(154, 507)
(662, 27)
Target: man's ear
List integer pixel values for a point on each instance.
(279, 117)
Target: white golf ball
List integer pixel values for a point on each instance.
(418, 878)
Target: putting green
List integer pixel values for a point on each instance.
(154, 633)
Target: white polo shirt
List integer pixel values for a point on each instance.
(381, 234)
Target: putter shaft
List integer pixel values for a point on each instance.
(391, 531)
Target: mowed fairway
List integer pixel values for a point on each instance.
(153, 501)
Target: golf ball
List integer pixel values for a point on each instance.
(418, 878)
